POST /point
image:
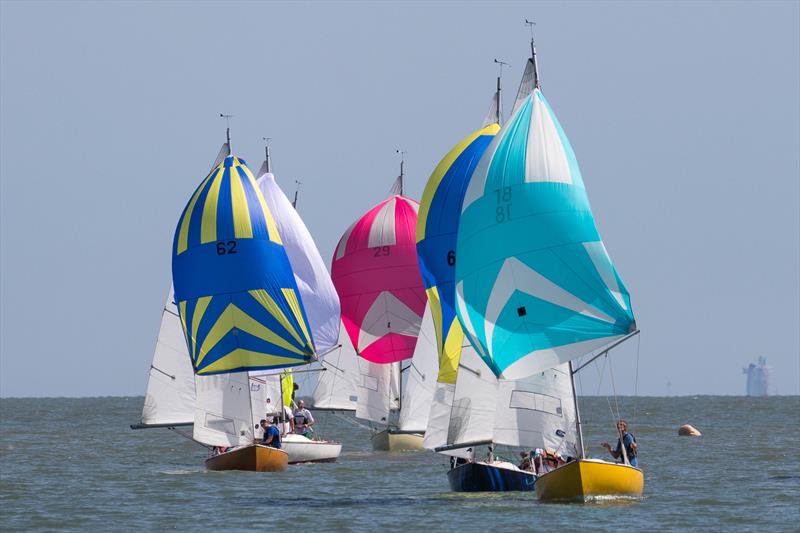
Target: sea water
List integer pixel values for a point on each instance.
(74, 464)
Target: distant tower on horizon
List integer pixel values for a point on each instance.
(758, 378)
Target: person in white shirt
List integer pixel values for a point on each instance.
(303, 420)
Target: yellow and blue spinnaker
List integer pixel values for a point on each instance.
(437, 228)
(234, 286)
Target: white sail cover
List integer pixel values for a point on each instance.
(337, 387)
(421, 382)
(317, 293)
(378, 391)
(538, 412)
(222, 414)
(474, 402)
(170, 386)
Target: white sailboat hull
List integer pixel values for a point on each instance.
(305, 450)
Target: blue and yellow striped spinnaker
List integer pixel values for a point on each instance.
(437, 227)
(234, 287)
(535, 286)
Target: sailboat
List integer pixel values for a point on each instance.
(535, 287)
(472, 408)
(240, 310)
(375, 272)
(316, 292)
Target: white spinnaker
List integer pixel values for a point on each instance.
(337, 387)
(317, 292)
(538, 411)
(378, 391)
(474, 401)
(170, 386)
(421, 383)
(222, 415)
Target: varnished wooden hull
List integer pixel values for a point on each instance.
(253, 458)
(590, 479)
(388, 441)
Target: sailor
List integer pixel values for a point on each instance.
(525, 463)
(303, 420)
(272, 435)
(626, 439)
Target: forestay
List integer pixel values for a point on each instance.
(317, 292)
(236, 293)
(535, 286)
(170, 385)
(337, 388)
(421, 381)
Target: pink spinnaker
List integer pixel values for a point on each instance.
(376, 273)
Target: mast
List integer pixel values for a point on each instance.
(227, 130)
(499, 112)
(268, 161)
(297, 190)
(581, 450)
(536, 83)
(402, 161)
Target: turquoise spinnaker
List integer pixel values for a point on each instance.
(234, 287)
(534, 284)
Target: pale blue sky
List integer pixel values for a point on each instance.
(684, 117)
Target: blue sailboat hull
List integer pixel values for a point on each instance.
(480, 477)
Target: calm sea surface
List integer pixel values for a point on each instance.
(74, 464)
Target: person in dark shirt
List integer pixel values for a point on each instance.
(272, 435)
(626, 439)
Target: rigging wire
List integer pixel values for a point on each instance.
(636, 381)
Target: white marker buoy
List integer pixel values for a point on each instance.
(688, 431)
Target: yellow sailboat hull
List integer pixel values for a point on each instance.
(588, 479)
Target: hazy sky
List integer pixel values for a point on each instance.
(684, 118)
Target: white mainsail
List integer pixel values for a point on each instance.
(317, 292)
(170, 386)
(420, 384)
(474, 401)
(223, 415)
(378, 391)
(538, 411)
(337, 387)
